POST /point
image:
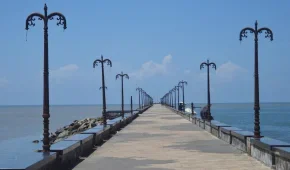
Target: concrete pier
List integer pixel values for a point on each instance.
(159, 139)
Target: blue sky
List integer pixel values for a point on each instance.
(157, 43)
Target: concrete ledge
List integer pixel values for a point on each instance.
(198, 121)
(193, 120)
(262, 149)
(115, 124)
(28, 161)
(202, 123)
(68, 152)
(282, 157)
(241, 140)
(215, 128)
(96, 132)
(225, 133)
(207, 126)
(86, 142)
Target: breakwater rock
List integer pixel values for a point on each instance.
(75, 127)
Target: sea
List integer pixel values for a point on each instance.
(274, 117)
(25, 122)
(18, 122)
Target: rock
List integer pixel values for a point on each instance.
(53, 136)
(57, 140)
(66, 127)
(93, 121)
(75, 127)
(59, 131)
(63, 134)
(70, 128)
(74, 131)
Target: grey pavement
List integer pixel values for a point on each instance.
(161, 140)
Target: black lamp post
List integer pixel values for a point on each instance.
(182, 86)
(177, 88)
(142, 98)
(139, 91)
(208, 64)
(174, 90)
(109, 63)
(131, 106)
(30, 22)
(269, 34)
(167, 99)
(122, 86)
(170, 98)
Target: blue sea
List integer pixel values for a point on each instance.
(26, 121)
(274, 117)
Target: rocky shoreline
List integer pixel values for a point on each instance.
(76, 127)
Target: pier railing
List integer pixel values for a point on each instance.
(271, 152)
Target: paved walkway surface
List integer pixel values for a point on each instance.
(161, 140)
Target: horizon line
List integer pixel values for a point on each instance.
(133, 104)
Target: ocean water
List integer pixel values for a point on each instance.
(26, 121)
(274, 117)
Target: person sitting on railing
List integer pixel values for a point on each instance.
(204, 113)
(208, 116)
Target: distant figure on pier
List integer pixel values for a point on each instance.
(204, 113)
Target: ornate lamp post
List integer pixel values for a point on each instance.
(170, 98)
(109, 63)
(142, 97)
(131, 106)
(182, 86)
(139, 91)
(174, 90)
(177, 89)
(122, 86)
(167, 99)
(269, 34)
(208, 64)
(171, 94)
(145, 99)
(30, 22)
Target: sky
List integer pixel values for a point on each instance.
(157, 43)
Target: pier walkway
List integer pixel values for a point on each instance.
(162, 140)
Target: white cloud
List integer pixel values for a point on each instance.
(63, 72)
(228, 71)
(151, 68)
